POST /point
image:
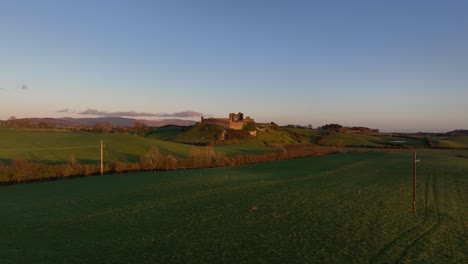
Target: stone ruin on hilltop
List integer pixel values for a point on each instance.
(235, 121)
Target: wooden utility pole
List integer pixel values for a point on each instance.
(414, 182)
(102, 157)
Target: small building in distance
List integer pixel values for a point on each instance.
(235, 121)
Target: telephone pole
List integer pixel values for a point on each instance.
(102, 157)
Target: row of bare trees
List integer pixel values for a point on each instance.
(138, 128)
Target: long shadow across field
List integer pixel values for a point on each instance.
(398, 249)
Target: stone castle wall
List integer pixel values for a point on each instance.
(237, 125)
(235, 121)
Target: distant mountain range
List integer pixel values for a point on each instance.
(115, 121)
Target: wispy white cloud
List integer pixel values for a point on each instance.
(66, 110)
(23, 87)
(182, 114)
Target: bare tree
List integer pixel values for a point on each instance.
(102, 127)
(140, 128)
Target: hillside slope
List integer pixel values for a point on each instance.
(267, 134)
(84, 147)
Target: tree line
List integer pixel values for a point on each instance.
(138, 128)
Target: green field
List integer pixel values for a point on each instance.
(375, 140)
(199, 134)
(341, 208)
(46, 146)
(450, 142)
(166, 132)
(242, 149)
(55, 147)
(307, 135)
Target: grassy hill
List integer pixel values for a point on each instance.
(306, 135)
(199, 134)
(343, 208)
(273, 135)
(166, 132)
(46, 146)
(267, 134)
(450, 142)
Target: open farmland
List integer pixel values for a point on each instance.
(58, 147)
(450, 142)
(341, 208)
(55, 147)
(372, 140)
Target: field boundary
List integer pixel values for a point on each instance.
(22, 171)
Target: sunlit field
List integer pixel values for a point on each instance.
(339, 208)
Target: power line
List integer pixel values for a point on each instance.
(61, 148)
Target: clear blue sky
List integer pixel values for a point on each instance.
(393, 65)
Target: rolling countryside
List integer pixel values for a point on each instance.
(233, 132)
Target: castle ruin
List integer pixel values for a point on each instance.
(235, 121)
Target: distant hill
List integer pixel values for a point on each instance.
(115, 121)
(165, 122)
(458, 132)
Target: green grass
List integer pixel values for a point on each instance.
(345, 139)
(450, 142)
(342, 208)
(16, 144)
(266, 136)
(374, 140)
(199, 134)
(270, 136)
(166, 132)
(307, 135)
(404, 141)
(242, 149)
(33, 145)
